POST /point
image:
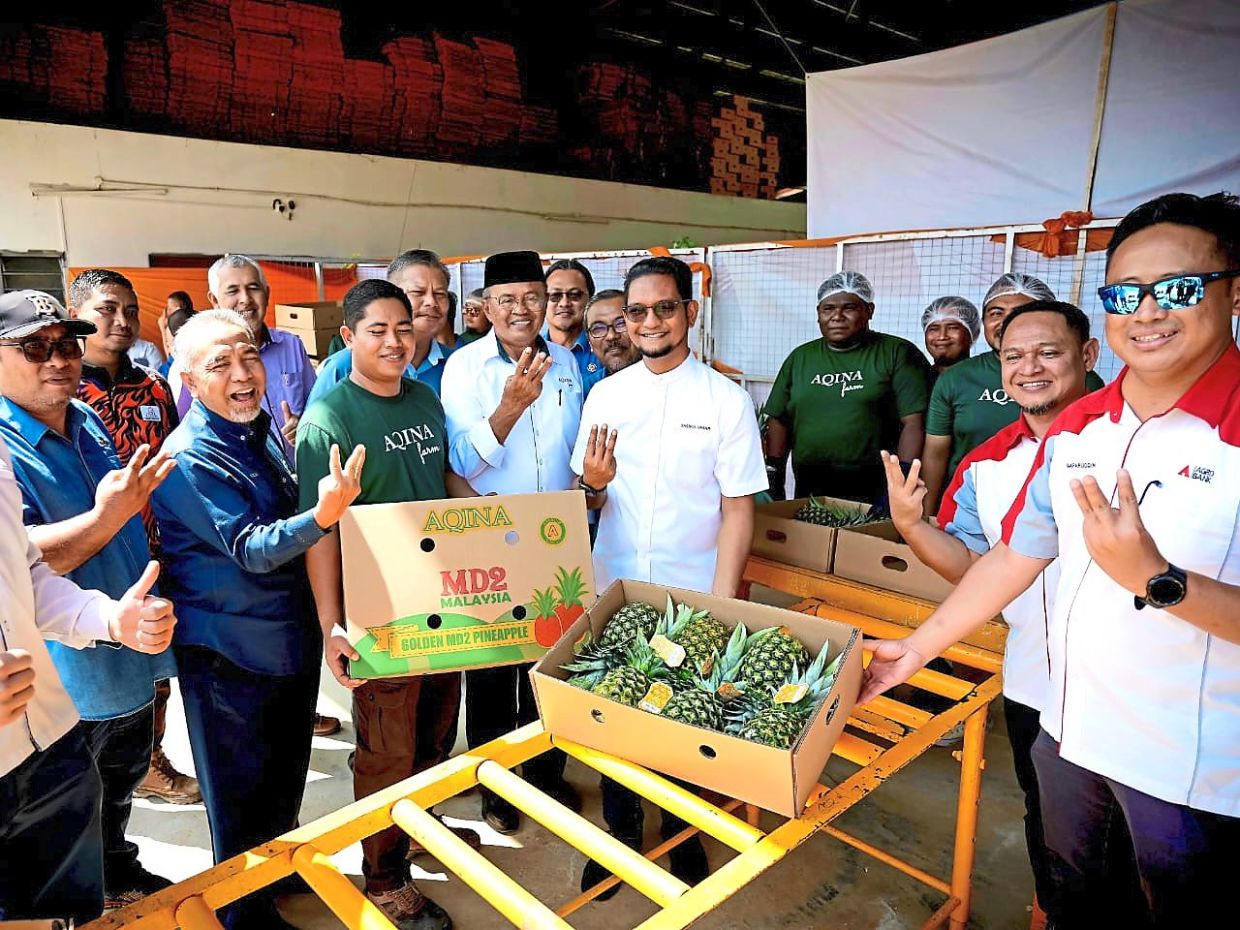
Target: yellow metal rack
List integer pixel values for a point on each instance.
(883, 737)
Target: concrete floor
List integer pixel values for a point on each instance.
(822, 884)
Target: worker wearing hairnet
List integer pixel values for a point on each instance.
(950, 326)
(968, 404)
(839, 400)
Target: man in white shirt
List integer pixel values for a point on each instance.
(669, 452)
(1134, 490)
(49, 787)
(511, 427)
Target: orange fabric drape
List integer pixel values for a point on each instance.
(1060, 237)
(289, 283)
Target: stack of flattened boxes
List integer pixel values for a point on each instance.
(745, 160)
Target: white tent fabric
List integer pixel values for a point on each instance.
(1001, 131)
(1172, 118)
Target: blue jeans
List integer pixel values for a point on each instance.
(50, 835)
(1185, 858)
(250, 735)
(121, 748)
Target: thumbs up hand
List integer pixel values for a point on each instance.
(289, 429)
(142, 622)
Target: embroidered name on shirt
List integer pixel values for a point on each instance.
(694, 426)
(998, 396)
(847, 380)
(1197, 473)
(1081, 465)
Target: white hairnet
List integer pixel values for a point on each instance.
(1016, 282)
(955, 308)
(847, 282)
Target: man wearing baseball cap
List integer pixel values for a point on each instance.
(839, 400)
(82, 510)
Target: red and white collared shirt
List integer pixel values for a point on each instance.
(1142, 696)
(977, 500)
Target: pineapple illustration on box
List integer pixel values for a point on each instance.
(437, 586)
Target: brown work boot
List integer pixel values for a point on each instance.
(409, 909)
(326, 726)
(163, 781)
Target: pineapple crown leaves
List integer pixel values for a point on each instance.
(570, 586)
(676, 617)
(544, 602)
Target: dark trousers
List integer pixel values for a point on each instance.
(625, 817)
(497, 701)
(403, 726)
(163, 691)
(1023, 728)
(250, 735)
(1185, 858)
(51, 854)
(121, 748)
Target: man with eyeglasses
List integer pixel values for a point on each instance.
(839, 400)
(137, 407)
(1134, 490)
(570, 286)
(670, 455)
(608, 332)
(513, 404)
(424, 279)
(83, 510)
(473, 318)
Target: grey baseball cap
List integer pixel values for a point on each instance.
(26, 312)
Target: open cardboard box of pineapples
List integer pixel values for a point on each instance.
(783, 721)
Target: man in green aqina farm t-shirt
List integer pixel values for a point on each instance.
(839, 400)
(404, 725)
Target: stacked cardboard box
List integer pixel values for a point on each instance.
(318, 75)
(145, 73)
(314, 323)
(501, 121)
(539, 126)
(417, 93)
(65, 69)
(369, 99)
(200, 64)
(463, 97)
(263, 57)
(744, 160)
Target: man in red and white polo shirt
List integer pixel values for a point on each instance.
(1045, 351)
(1135, 490)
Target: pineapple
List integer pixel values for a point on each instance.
(771, 657)
(702, 703)
(630, 622)
(699, 634)
(628, 683)
(821, 513)
(591, 661)
(756, 717)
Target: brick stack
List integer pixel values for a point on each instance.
(318, 75)
(539, 126)
(200, 64)
(263, 58)
(417, 93)
(369, 102)
(145, 73)
(501, 121)
(65, 69)
(745, 161)
(461, 120)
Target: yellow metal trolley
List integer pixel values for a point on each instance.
(882, 738)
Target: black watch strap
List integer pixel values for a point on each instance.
(592, 491)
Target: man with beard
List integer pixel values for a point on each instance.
(608, 332)
(669, 453)
(424, 279)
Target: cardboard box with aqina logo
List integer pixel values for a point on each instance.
(779, 780)
(472, 582)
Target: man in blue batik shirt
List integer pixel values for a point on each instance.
(570, 286)
(249, 647)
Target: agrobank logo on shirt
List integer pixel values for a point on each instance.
(846, 380)
(412, 437)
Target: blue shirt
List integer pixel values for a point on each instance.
(58, 475)
(336, 368)
(233, 544)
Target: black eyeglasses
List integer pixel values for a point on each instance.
(576, 295)
(636, 313)
(38, 351)
(1176, 293)
(599, 330)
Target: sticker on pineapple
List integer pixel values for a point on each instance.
(790, 694)
(553, 531)
(673, 655)
(656, 698)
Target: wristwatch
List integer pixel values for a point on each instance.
(592, 491)
(1165, 589)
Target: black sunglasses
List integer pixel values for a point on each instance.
(663, 309)
(38, 351)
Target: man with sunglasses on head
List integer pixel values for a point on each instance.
(83, 511)
(473, 318)
(570, 286)
(839, 400)
(1134, 490)
(669, 452)
(513, 404)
